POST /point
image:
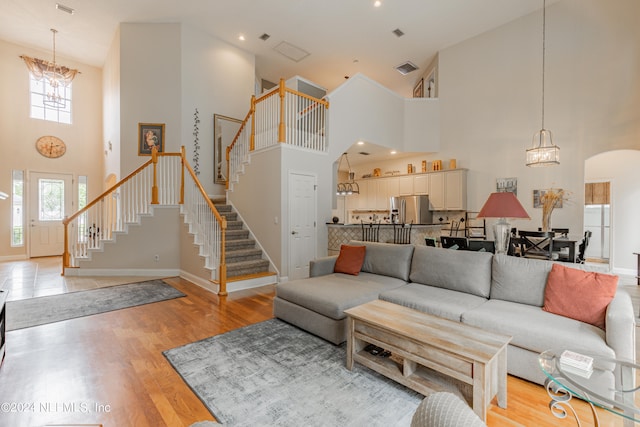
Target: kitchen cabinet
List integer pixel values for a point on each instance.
(406, 186)
(421, 184)
(448, 190)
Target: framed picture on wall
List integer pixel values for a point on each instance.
(149, 135)
(507, 185)
(418, 90)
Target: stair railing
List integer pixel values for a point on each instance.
(159, 181)
(280, 116)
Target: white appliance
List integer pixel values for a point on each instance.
(410, 209)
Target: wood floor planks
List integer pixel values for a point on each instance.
(116, 359)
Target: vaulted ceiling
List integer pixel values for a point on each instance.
(341, 37)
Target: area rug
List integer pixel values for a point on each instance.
(55, 308)
(274, 374)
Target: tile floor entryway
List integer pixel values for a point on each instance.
(37, 277)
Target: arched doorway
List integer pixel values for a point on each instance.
(620, 169)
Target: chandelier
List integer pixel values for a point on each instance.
(543, 152)
(54, 78)
(349, 187)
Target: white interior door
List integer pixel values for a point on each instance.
(50, 200)
(302, 224)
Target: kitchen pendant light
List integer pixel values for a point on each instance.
(543, 152)
(350, 187)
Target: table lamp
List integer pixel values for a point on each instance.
(502, 205)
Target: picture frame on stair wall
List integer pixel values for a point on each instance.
(149, 135)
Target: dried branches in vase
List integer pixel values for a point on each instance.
(549, 200)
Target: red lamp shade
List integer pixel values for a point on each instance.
(502, 205)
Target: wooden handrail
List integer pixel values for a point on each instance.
(309, 97)
(223, 231)
(106, 193)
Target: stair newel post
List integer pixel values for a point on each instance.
(281, 127)
(154, 189)
(223, 258)
(65, 254)
(252, 114)
(182, 162)
(228, 157)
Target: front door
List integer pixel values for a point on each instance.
(302, 223)
(50, 200)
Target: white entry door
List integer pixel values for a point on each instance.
(50, 200)
(302, 223)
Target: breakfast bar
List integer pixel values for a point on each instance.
(339, 234)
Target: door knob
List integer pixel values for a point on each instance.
(294, 232)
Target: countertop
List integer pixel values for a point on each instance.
(384, 224)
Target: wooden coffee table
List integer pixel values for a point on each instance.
(425, 349)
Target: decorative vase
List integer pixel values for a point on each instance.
(546, 219)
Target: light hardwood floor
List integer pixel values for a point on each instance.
(109, 369)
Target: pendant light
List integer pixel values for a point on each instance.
(350, 187)
(543, 152)
(55, 79)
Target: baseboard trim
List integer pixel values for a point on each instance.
(14, 258)
(78, 272)
(199, 281)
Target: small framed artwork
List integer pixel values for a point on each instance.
(418, 90)
(149, 135)
(539, 201)
(507, 185)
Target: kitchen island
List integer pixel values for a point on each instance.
(339, 234)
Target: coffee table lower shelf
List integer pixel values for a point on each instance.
(413, 375)
(430, 354)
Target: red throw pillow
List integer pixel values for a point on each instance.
(350, 260)
(580, 295)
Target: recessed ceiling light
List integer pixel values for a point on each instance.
(394, 152)
(241, 37)
(360, 142)
(377, 3)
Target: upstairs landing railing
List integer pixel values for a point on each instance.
(280, 116)
(165, 179)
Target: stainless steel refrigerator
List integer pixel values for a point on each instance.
(407, 209)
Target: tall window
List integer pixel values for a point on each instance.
(39, 89)
(17, 208)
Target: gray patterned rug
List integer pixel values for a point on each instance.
(55, 308)
(274, 374)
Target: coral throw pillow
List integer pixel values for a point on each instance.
(580, 295)
(350, 260)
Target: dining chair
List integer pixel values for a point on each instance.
(402, 233)
(450, 241)
(370, 231)
(582, 247)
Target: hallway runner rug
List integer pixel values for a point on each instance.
(274, 374)
(55, 308)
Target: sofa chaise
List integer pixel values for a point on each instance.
(500, 293)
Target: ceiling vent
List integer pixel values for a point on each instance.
(292, 52)
(64, 8)
(398, 32)
(406, 68)
(264, 37)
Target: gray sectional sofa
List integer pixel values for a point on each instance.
(499, 293)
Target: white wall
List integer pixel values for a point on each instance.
(19, 133)
(111, 109)
(217, 78)
(150, 87)
(620, 167)
(490, 94)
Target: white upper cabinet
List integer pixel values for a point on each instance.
(406, 186)
(448, 190)
(421, 184)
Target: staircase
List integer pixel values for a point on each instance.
(244, 259)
